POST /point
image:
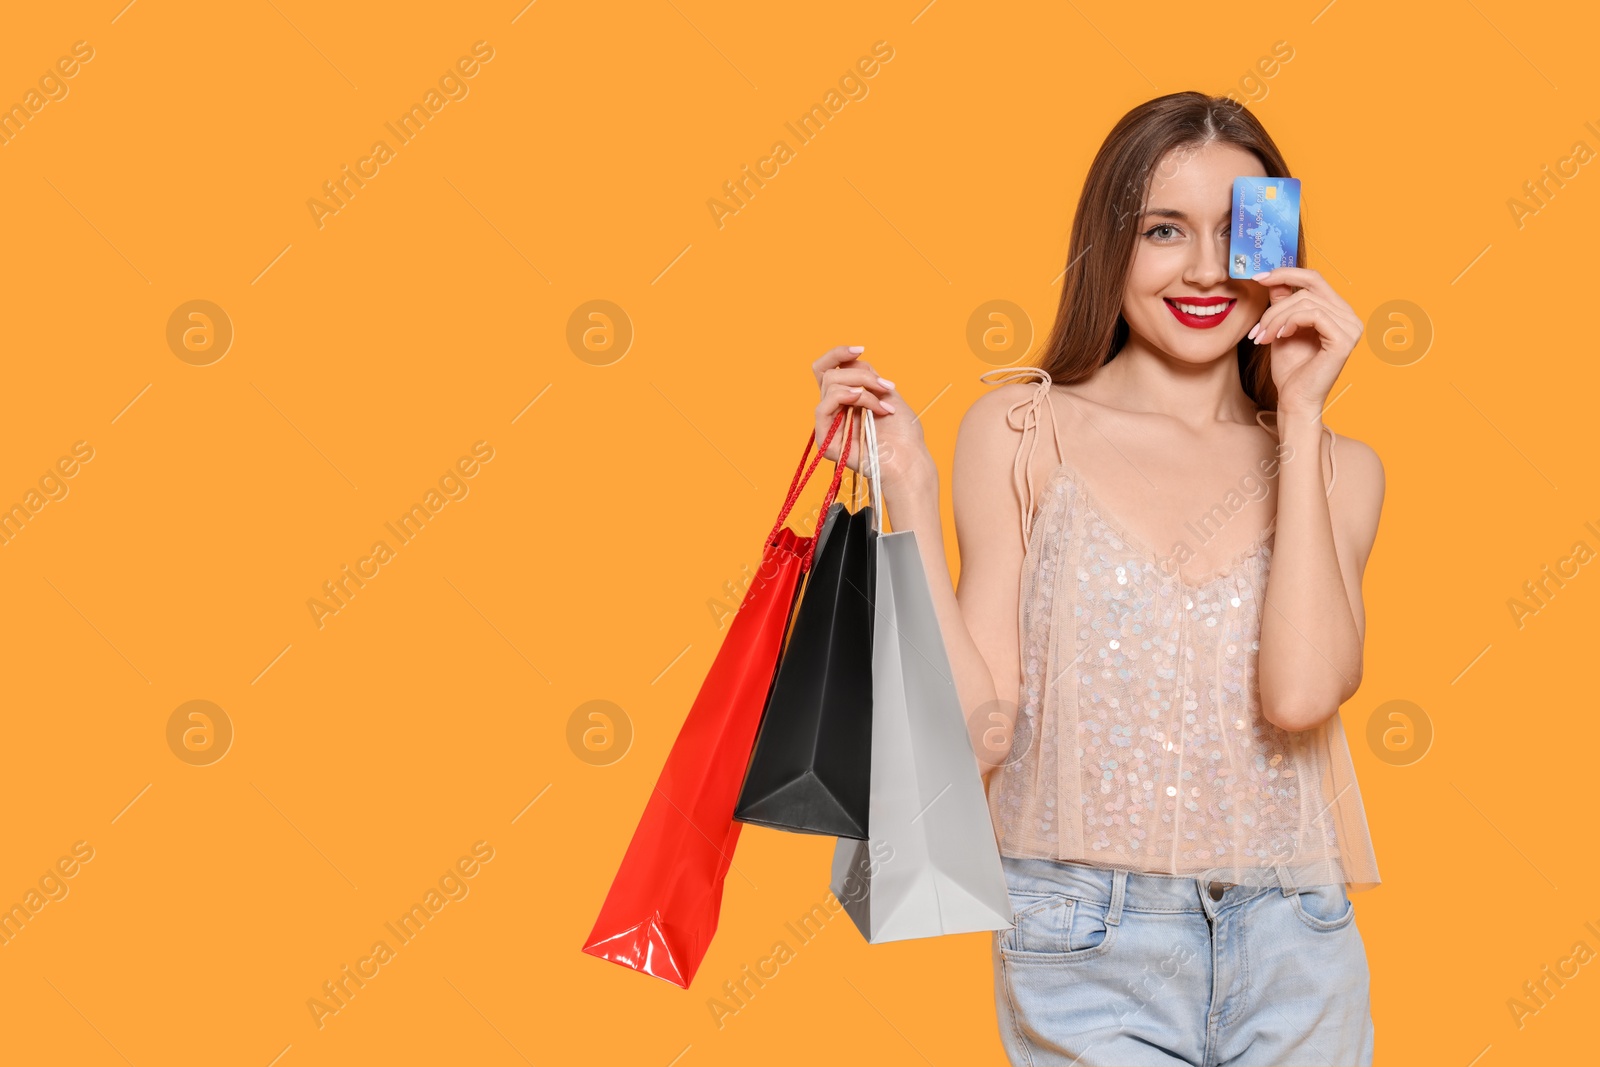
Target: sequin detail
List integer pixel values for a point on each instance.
(1147, 748)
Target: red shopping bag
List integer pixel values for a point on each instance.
(663, 905)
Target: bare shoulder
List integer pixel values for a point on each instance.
(981, 482)
(988, 441)
(1357, 498)
(986, 430)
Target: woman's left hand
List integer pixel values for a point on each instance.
(1312, 332)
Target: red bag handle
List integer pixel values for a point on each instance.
(798, 483)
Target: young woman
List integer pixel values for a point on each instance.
(1161, 561)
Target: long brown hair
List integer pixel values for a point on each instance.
(1089, 329)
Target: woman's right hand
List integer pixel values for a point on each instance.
(846, 380)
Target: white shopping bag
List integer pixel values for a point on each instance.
(930, 864)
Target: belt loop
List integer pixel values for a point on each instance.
(1119, 889)
(1285, 881)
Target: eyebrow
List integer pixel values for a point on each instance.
(1168, 213)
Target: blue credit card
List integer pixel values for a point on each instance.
(1266, 225)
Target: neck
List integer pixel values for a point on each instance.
(1143, 378)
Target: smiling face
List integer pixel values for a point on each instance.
(1179, 300)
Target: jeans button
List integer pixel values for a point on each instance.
(1215, 889)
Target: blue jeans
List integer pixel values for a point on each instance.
(1113, 967)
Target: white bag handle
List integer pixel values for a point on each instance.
(858, 474)
(872, 462)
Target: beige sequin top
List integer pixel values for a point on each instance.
(1139, 740)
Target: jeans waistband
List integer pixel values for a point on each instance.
(1133, 890)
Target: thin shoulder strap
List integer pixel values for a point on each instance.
(1333, 465)
(1028, 423)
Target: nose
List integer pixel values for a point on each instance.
(1208, 265)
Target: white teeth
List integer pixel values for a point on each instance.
(1195, 309)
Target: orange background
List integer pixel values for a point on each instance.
(370, 753)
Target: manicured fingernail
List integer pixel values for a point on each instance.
(857, 388)
(886, 383)
(888, 407)
(857, 348)
(1252, 334)
(1258, 277)
(1279, 333)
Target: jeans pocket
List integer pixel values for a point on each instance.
(1057, 928)
(1323, 907)
(1041, 924)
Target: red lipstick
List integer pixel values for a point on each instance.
(1201, 322)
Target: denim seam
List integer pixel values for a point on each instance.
(1208, 1054)
(1126, 908)
(1244, 968)
(1016, 1015)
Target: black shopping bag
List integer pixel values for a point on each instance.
(811, 769)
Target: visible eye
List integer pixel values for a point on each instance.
(1161, 226)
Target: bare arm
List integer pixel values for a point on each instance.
(1312, 619)
(979, 621)
(1313, 624)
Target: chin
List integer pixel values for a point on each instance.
(1197, 350)
(1200, 359)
